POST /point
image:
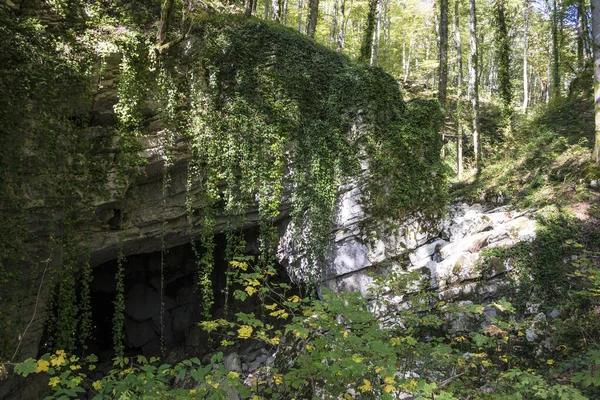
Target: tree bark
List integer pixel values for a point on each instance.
(443, 65)
(334, 23)
(275, 10)
(367, 43)
(459, 83)
(300, 26)
(580, 30)
(503, 56)
(596, 35)
(525, 66)
(341, 37)
(163, 26)
(555, 48)
(377, 37)
(312, 19)
(474, 84)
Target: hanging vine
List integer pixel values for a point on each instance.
(118, 320)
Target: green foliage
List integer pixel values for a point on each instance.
(345, 347)
(118, 321)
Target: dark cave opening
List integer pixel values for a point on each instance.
(145, 332)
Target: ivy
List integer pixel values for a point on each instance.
(119, 314)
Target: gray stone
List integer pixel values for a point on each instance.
(232, 362)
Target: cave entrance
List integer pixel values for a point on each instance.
(143, 325)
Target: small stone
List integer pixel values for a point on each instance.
(232, 362)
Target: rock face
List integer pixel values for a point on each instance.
(448, 254)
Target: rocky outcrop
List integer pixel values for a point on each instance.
(448, 253)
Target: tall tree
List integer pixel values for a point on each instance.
(459, 83)
(163, 25)
(341, 36)
(312, 18)
(443, 66)
(596, 35)
(580, 33)
(474, 83)
(503, 53)
(555, 63)
(367, 43)
(525, 65)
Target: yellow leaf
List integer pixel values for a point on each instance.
(294, 299)
(250, 290)
(233, 375)
(97, 385)
(366, 387)
(357, 359)
(550, 362)
(345, 334)
(241, 265)
(271, 307)
(245, 331)
(55, 380)
(389, 388)
(388, 380)
(278, 379)
(274, 341)
(42, 366)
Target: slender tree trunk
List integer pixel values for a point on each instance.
(459, 83)
(525, 66)
(300, 26)
(367, 43)
(555, 51)
(249, 7)
(312, 19)
(267, 9)
(596, 35)
(580, 30)
(474, 85)
(163, 26)
(408, 61)
(341, 38)
(549, 72)
(377, 37)
(285, 11)
(503, 57)
(334, 24)
(443, 66)
(275, 10)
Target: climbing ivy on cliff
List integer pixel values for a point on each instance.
(274, 118)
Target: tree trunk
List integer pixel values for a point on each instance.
(407, 64)
(443, 66)
(580, 30)
(503, 57)
(525, 66)
(367, 43)
(377, 38)
(249, 7)
(474, 84)
(285, 12)
(275, 10)
(459, 83)
(312, 19)
(596, 35)
(555, 48)
(334, 24)
(267, 9)
(163, 26)
(342, 26)
(300, 26)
